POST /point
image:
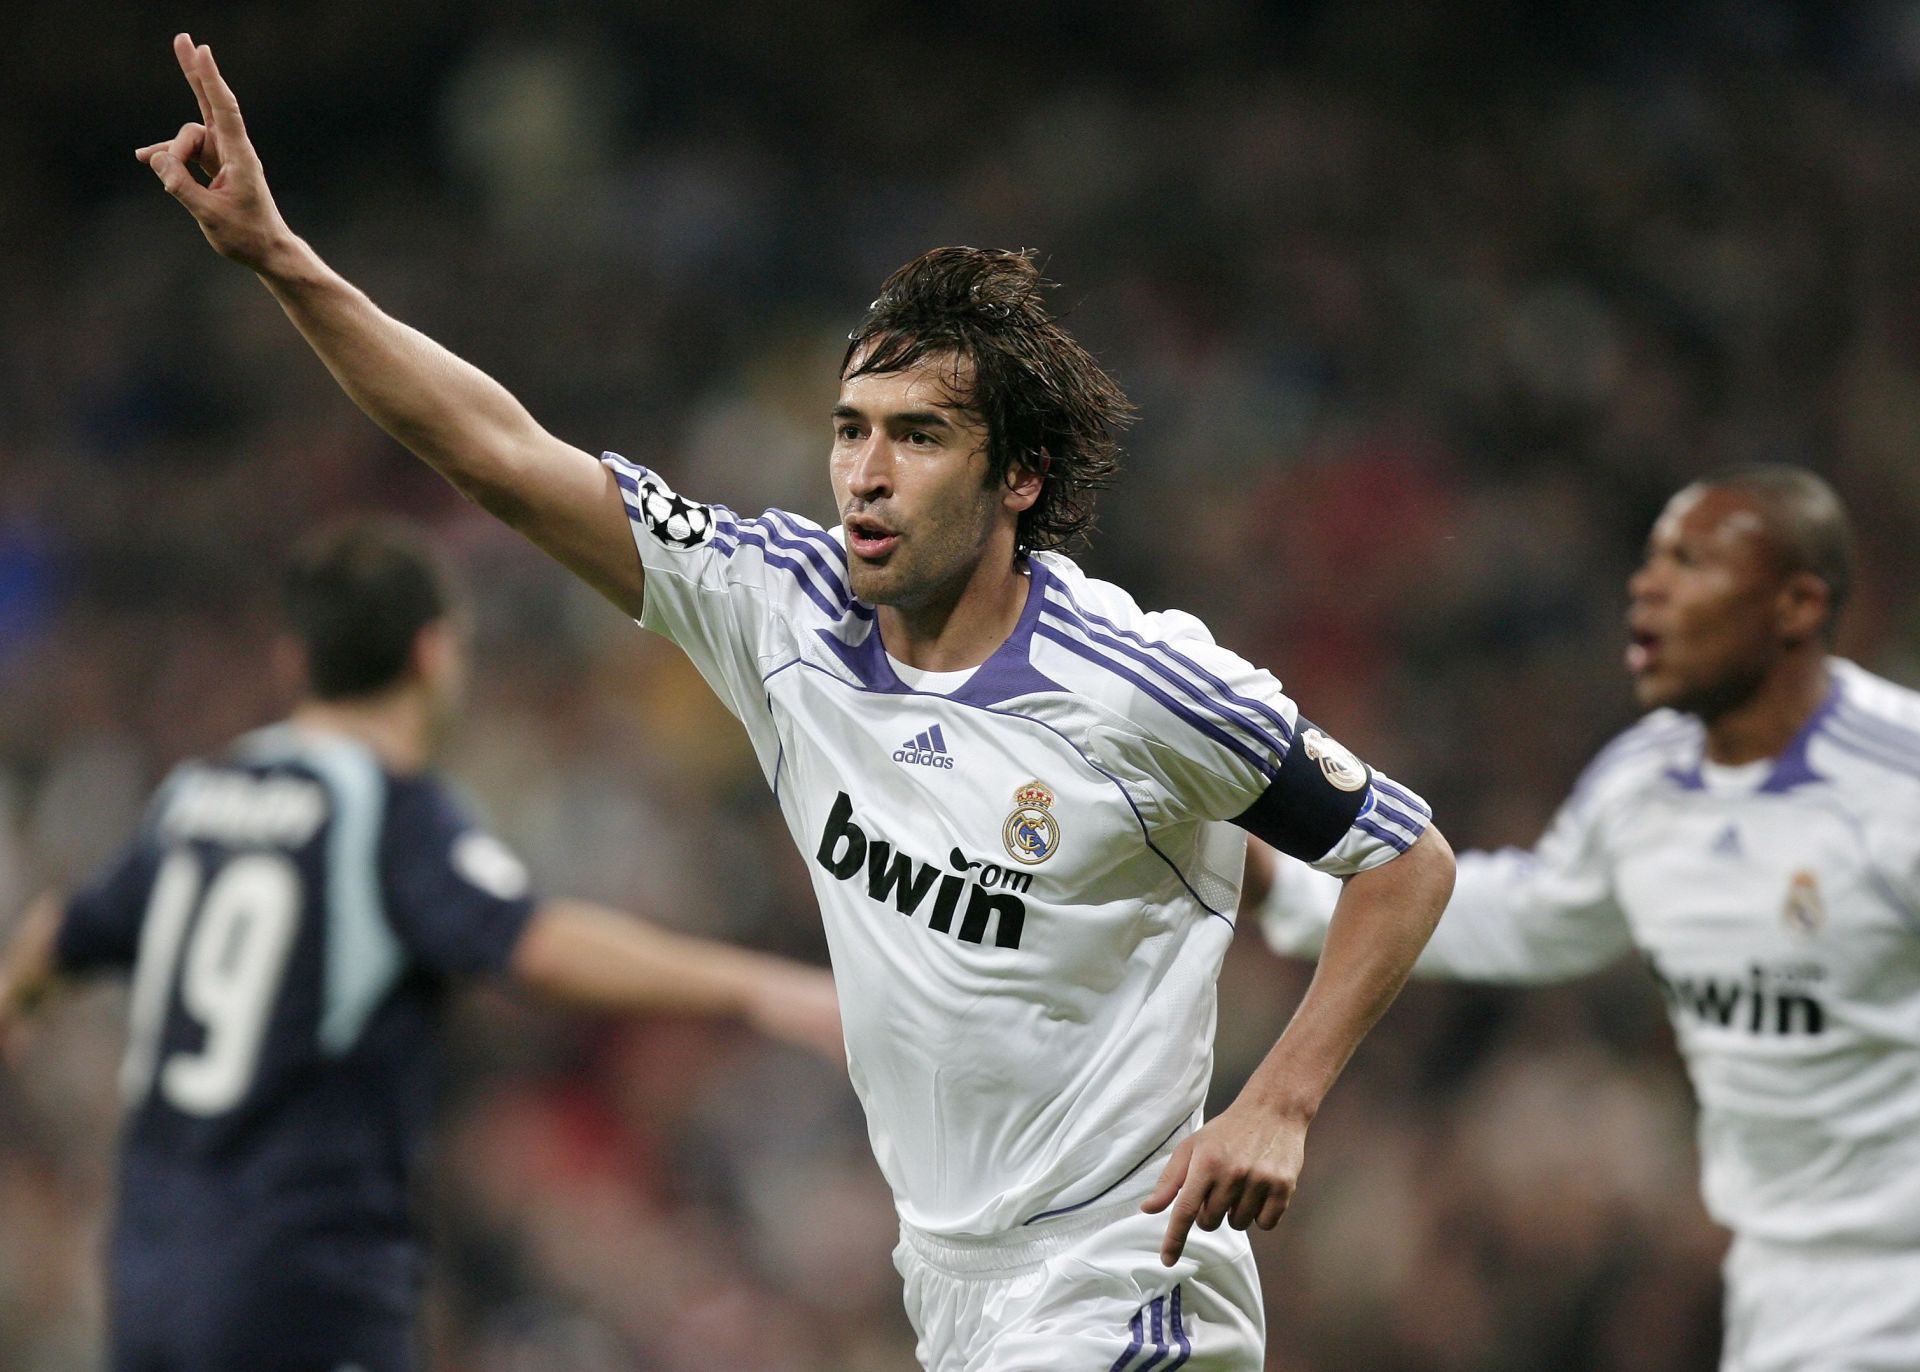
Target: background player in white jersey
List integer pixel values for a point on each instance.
(294, 913)
(1757, 839)
(1026, 940)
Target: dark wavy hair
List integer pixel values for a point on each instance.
(356, 593)
(1047, 405)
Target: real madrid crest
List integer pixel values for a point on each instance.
(1804, 911)
(1343, 771)
(1031, 833)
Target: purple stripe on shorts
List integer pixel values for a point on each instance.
(1160, 1349)
(1120, 1363)
(1180, 1335)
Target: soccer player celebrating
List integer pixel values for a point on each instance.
(1014, 789)
(1753, 839)
(294, 913)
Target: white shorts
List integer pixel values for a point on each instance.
(1084, 1293)
(1821, 1308)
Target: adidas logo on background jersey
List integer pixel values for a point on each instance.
(926, 749)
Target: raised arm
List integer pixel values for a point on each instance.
(448, 412)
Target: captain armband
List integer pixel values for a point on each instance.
(1320, 790)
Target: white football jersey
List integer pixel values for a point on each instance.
(1027, 880)
(1778, 907)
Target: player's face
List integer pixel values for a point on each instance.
(909, 472)
(1703, 615)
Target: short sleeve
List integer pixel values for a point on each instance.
(1225, 741)
(101, 927)
(1327, 808)
(731, 592)
(457, 897)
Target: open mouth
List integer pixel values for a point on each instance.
(868, 538)
(1643, 648)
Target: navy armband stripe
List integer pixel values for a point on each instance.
(1317, 795)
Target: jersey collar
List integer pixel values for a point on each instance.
(1009, 672)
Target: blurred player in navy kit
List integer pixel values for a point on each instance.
(293, 913)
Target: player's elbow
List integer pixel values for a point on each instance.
(546, 955)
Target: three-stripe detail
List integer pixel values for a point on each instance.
(808, 553)
(1158, 1320)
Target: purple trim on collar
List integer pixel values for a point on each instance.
(1009, 672)
(1791, 767)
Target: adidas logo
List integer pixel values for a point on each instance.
(926, 749)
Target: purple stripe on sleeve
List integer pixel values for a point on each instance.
(1404, 796)
(750, 536)
(1265, 766)
(1260, 707)
(1883, 732)
(1121, 1363)
(1073, 615)
(835, 577)
(1386, 836)
(1873, 752)
(1414, 827)
(1180, 1336)
(776, 537)
(812, 533)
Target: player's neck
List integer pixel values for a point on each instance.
(396, 725)
(1762, 725)
(962, 628)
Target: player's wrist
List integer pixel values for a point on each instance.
(287, 260)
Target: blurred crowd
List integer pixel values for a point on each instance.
(1426, 309)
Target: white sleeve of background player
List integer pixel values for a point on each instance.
(729, 590)
(1526, 917)
(1230, 745)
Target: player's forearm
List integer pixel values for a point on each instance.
(1383, 919)
(596, 958)
(449, 412)
(29, 968)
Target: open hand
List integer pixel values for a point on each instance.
(234, 209)
(1241, 1167)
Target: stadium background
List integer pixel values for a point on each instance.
(1427, 307)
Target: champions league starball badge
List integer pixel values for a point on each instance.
(673, 519)
(1031, 833)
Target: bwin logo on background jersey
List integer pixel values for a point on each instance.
(926, 749)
